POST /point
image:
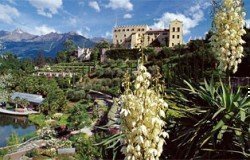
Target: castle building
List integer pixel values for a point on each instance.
(136, 36)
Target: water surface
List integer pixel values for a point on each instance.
(14, 124)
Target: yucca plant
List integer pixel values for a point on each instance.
(216, 123)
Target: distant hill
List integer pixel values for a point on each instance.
(26, 45)
(100, 39)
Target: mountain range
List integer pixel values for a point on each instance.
(26, 45)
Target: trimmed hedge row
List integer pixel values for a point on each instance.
(123, 54)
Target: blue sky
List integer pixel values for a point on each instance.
(96, 18)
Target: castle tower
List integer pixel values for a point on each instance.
(175, 33)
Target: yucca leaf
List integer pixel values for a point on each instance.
(237, 95)
(246, 103)
(218, 112)
(225, 96)
(190, 86)
(113, 145)
(218, 125)
(206, 85)
(242, 115)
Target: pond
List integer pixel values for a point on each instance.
(14, 124)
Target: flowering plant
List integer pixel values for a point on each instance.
(142, 110)
(228, 31)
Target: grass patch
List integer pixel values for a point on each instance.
(63, 121)
(37, 119)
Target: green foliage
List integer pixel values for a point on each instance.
(111, 143)
(75, 95)
(67, 55)
(79, 116)
(85, 148)
(63, 121)
(55, 99)
(64, 83)
(37, 119)
(34, 84)
(40, 60)
(69, 45)
(123, 54)
(3, 152)
(62, 57)
(102, 44)
(29, 136)
(13, 139)
(95, 54)
(54, 102)
(215, 125)
(11, 64)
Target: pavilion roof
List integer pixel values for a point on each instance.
(34, 98)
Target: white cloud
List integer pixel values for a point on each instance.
(108, 35)
(44, 29)
(190, 20)
(84, 31)
(95, 6)
(47, 7)
(120, 4)
(7, 13)
(248, 23)
(87, 28)
(127, 16)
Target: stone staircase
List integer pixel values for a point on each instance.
(20, 152)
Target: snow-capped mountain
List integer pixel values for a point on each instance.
(24, 44)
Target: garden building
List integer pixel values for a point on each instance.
(136, 36)
(33, 99)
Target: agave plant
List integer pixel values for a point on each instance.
(216, 123)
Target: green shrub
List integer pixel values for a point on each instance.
(13, 139)
(123, 54)
(79, 116)
(215, 125)
(85, 148)
(75, 96)
(37, 119)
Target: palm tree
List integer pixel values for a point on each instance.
(24, 103)
(16, 101)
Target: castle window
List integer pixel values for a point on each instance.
(115, 30)
(132, 29)
(127, 29)
(115, 36)
(139, 29)
(173, 36)
(119, 30)
(124, 35)
(172, 44)
(123, 30)
(143, 29)
(173, 29)
(178, 29)
(178, 36)
(139, 34)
